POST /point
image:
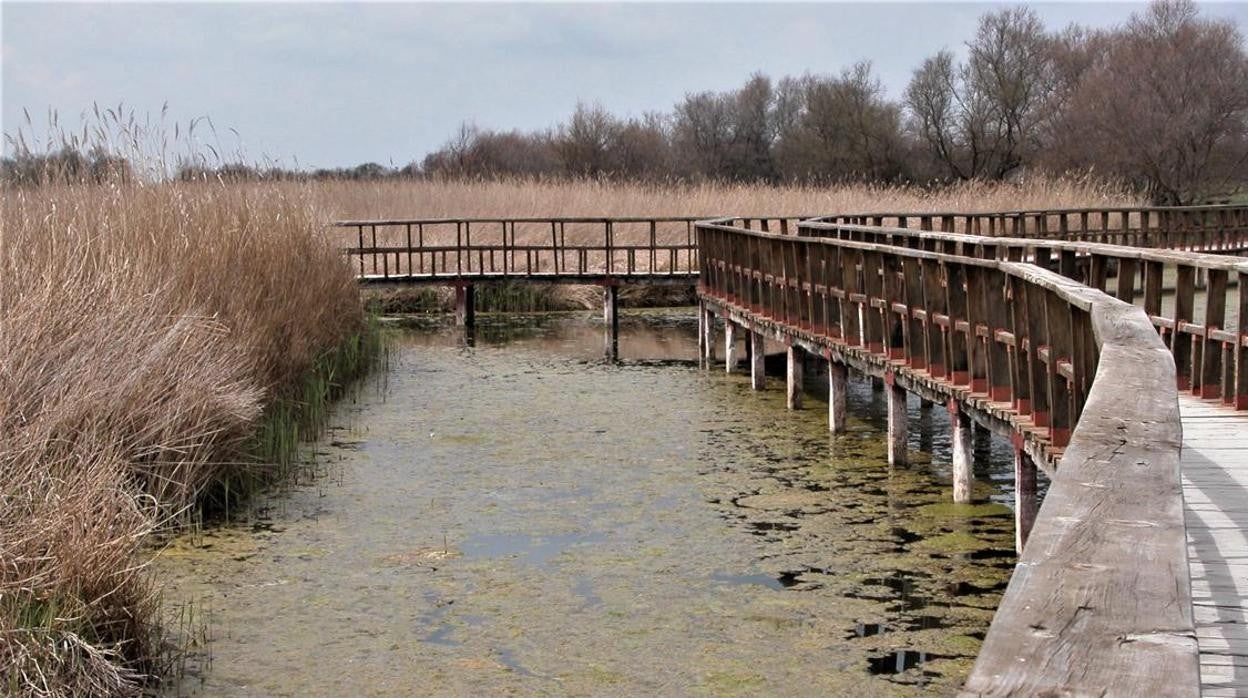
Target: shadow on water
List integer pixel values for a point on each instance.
(518, 516)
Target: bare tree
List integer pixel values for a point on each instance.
(986, 118)
(846, 129)
(1166, 107)
(584, 143)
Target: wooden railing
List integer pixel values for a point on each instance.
(1196, 228)
(1101, 597)
(1209, 344)
(560, 249)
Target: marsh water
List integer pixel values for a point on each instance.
(520, 517)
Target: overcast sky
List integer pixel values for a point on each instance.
(340, 84)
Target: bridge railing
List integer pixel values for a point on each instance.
(1202, 228)
(555, 248)
(522, 247)
(1101, 596)
(1196, 301)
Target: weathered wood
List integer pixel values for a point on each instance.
(838, 389)
(963, 454)
(1114, 511)
(758, 374)
(465, 306)
(708, 337)
(730, 346)
(1064, 613)
(611, 322)
(897, 428)
(1026, 503)
(793, 392)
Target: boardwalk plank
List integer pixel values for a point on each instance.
(1215, 491)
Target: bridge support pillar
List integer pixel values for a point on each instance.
(897, 427)
(730, 346)
(611, 316)
(758, 374)
(793, 394)
(1025, 504)
(706, 339)
(963, 454)
(838, 387)
(465, 306)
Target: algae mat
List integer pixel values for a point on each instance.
(517, 517)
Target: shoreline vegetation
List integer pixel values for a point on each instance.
(167, 345)
(163, 346)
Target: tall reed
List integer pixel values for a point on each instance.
(144, 332)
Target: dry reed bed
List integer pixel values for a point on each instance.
(143, 331)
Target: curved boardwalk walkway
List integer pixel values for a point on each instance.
(1215, 497)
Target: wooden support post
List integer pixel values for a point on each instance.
(708, 337)
(730, 346)
(758, 376)
(963, 454)
(838, 388)
(610, 313)
(793, 394)
(897, 430)
(465, 306)
(1025, 502)
(701, 330)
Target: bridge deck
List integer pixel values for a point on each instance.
(1215, 493)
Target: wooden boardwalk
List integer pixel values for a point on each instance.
(1047, 327)
(1215, 493)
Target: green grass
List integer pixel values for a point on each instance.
(300, 415)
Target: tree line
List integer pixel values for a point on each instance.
(1160, 102)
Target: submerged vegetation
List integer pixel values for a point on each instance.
(158, 342)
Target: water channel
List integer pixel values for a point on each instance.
(519, 517)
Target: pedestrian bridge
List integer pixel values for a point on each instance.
(1106, 344)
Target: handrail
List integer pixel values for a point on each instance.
(352, 223)
(1101, 596)
(1211, 355)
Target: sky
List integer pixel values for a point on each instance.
(331, 85)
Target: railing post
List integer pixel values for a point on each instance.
(957, 342)
(1241, 351)
(1021, 353)
(915, 338)
(934, 304)
(1181, 342)
(1211, 385)
(997, 318)
(1127, 271)
(1059, 329)
(1036, 338)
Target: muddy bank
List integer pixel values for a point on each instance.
(519, 517)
